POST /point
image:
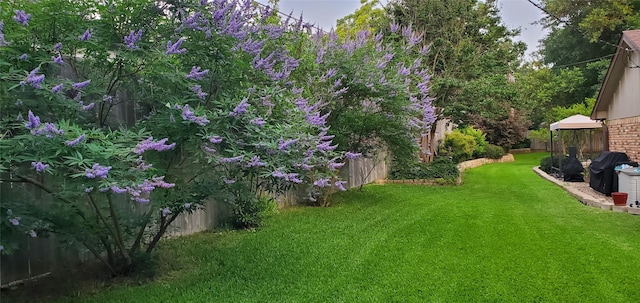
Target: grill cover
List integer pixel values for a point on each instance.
(602, 176)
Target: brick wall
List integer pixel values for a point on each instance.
(624, 136)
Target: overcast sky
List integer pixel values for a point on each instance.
(324, 13)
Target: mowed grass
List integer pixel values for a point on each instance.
(505, 235)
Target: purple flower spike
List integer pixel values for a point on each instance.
(15, 221)
(175, 47)
(34, 121)
(97, 171)
(85, 36)
(88, 106)
(340, 185)
(352, 156)
(39, 166)
(81, 85)
(32, 234)
(215, 139)
(149, 144)
(228, 181)
(322, 182)
(258, 121)
(56, 89)
(196, 74)
(23, 57)
(334, 166)
(285, 145)
(231, 160)
(57, 47)
(255, 162)
(240, 109)
(76, 140)
(34, 79)
(188, 114)
(198, 90)
(22, 17)
(48, 129)
(187, 205)
(88, 189)
(118, 190)
(57, 60)
(165, 212)
(132, 38)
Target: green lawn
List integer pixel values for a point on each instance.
(505, 235)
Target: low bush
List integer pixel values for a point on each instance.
(546, 164)
(440, 168)
(479, 137)
(494, 151)
(459, 146)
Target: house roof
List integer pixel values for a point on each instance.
(629, 42)
(575, 122)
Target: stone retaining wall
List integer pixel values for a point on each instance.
(462, 166)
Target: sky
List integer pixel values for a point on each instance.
(324, 13)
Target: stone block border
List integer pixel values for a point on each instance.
(462, 166)
(586, 198)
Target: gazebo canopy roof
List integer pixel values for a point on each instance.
(575, 122)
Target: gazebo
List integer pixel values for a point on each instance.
(573, 123)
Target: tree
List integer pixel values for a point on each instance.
(472, 56)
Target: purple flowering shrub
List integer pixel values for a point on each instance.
(158, 110)
(374, 89)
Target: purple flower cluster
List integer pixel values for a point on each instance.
(142, 166)
(189, 115)
(56, 89)
(39, 166)
(231, 160)
(22, 57)
(340, 185)
(215, 139)
(240, 109)
(284, 145)
(228, 181)
(140, 192)
(48, 129)
(289, 177)
(34, 121)
(196, 74)
(15, 221)
(57, 60)
(352, 156)
(149, 144)
(131, 39)
(322, 182)
(198, 90)
(174, 48)
(81, 85)
(97, 171)
(76, 140)
(255, 162)
(57, 47)
(88, 106)
(34, 79)
(335, 165)
(326, 146)
(394, 27)
(85, 36)
(22, 17)
(258, 121)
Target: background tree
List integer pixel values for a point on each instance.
(471, 51)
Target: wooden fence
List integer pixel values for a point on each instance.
(40, 256)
